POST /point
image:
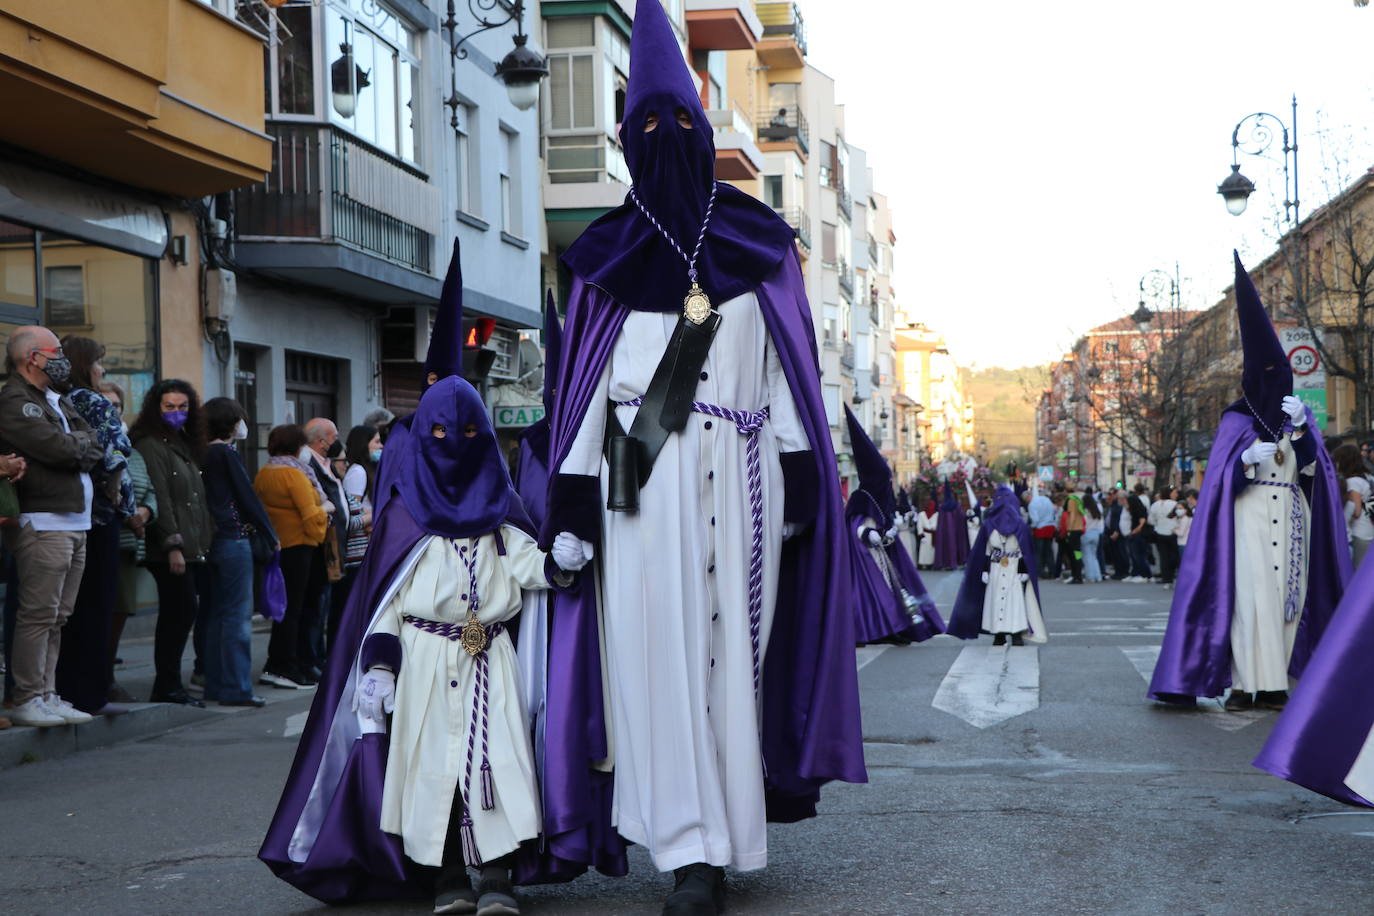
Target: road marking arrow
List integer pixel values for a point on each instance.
(990, 684)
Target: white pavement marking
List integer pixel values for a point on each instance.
(1115, 601)
(1144, 659)
(866, 654)
(990, 684)
(295, 724)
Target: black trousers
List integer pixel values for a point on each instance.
(178, 602)
(1167, 544)
(85, 666)
(1073, 552)
(283, 647)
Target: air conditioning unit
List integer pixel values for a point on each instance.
(221, 294)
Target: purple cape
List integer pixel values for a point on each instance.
(811, 722)
(1195, 660)
(966, 620)
(878, 608)
(951, 538)
(1328, 719)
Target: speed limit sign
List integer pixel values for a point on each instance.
(1304, 360)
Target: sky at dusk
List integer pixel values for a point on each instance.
(1041, 157)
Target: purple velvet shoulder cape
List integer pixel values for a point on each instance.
(1195, 659)
(951, 538)
(966, 620)
(1321, 732)
(811, 722)
(878, 608)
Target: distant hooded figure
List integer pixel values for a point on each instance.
(951, 535)
(1000, 593)
(689, 437)
(890, 600)
(927, 524)
(379, 807)
(1267, 560)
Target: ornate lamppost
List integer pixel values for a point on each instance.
(1236, 188)
(521, 69)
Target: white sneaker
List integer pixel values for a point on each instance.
(69, 713)
(36, 713)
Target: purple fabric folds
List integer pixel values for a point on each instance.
(966, 620)
(879, 610)
(1329, 717)
(811, 724)
(1195, 660)
(951, 534)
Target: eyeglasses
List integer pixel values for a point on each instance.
(55, 351)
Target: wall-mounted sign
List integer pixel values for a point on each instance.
(516, 415)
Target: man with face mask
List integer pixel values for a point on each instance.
(42, 427)
(1267, 560)
(703, 679)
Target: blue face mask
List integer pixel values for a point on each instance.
(174, 418)
(376, 455)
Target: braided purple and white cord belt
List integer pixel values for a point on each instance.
(481, 695)
(748, 423)
(1291, 602)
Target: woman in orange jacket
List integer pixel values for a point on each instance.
(300, 515)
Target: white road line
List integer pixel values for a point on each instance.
(1144, 659)
(990, 684)
(295, 724)
(866, 654)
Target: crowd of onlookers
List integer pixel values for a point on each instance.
(90, 491)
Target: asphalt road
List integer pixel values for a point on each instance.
(1076, 796)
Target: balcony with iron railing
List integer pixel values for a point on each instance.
(786, 125)
(846, 202)
(847, 355)
(784, 28)
(846, 278)
(328, 186)
(800, 221)
(872, 252)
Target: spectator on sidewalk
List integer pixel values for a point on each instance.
(239, 520)
(294, 505)
(1356, 487)
(358, 471)
(1163, 518)
(11, 469)
(170, 433)
(1137, 543)
(1092, 536)
(1075, 524)
(84, 670)
(1183, 522)
(322, 447)
(1118, 528)
(1043, 527)
(131, 547)
(55, 494)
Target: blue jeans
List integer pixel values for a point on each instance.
(1092, 570)
(229, 621)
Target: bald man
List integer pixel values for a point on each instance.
(40, 426)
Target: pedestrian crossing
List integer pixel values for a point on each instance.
(990, 684)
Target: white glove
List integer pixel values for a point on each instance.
(792, 529)
(570, 552)
(985, 578)
(872, 538)
(376, 695)
(891, 534)
(1296, 410)
(1259, 451)
(1023, 577)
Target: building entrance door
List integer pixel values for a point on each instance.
(312, 388)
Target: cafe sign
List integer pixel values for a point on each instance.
(516, 415)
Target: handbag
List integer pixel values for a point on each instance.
(263, 547)
(9, 504)
(333, 558)
(272, 589)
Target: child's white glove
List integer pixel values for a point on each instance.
(1258, 452)
(872, 537)
(1024, 577)
(570, 552)
(985, 578)
(376, 695)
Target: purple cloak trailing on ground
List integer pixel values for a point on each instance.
(1331, 713)
(951, 533)
(1004, 516)
(879, 606)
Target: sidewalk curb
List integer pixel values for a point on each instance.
(22, 744)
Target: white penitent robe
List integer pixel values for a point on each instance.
(927, 525)
(907, 528)
(1009, 605)
(674, 596)
(434, 700)
(1261, 640)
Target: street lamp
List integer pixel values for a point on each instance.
(521, 69)
(1236, 188)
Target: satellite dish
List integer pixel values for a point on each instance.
(531, 368)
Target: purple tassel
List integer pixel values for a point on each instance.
(488, 790)
(470, 855)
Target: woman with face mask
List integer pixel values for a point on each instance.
(170, 434)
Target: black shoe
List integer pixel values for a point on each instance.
(1271, 699)
(117, 694)
(177, 696)
(999, 639)
(453, 892)
(1016, 640)
(495, 895)
(305, 677)
(1238, 701)
(699, 891)
(896, 639)
(256, 702)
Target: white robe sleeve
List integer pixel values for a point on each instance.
(584, 458)
(783, 416)
(524, 559)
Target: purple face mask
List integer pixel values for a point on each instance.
(174, 418)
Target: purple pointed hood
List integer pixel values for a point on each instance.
(1004, 515)
(445, 356)
(1266, 377)
(454, 480)
(875, 477)
(673, 169)
(949, 501)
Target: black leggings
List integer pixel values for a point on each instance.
(178, 602)
(283, 649)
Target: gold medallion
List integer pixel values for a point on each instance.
(1278, 457)
(697, 307)
(474, 636)
(1004, 561)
